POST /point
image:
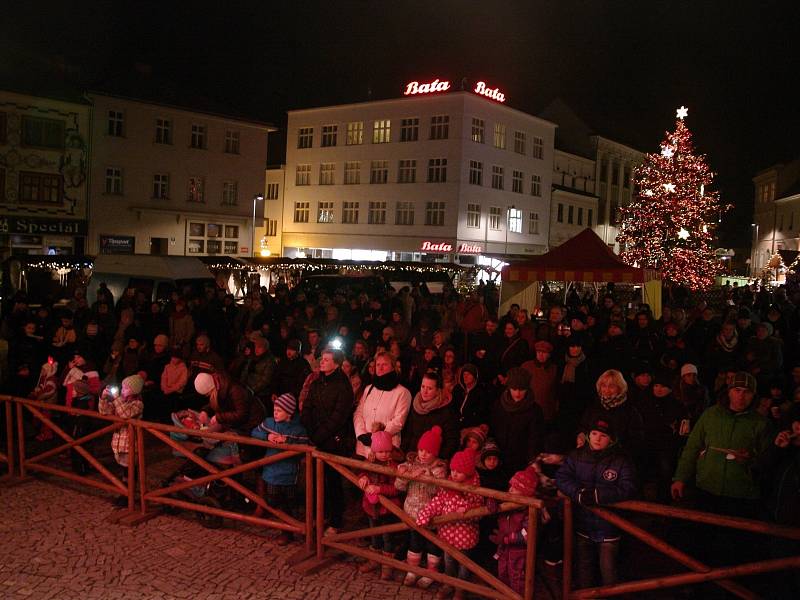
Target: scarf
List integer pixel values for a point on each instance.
(387, 382)
(570, 366)
(423, 407)
(509, 405)
(728, 345)
(613, 401)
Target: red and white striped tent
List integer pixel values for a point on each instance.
(582, 258)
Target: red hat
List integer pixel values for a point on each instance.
(381, 441)
(464, 462)
(543, 346)
(431, 440)
(525, 481)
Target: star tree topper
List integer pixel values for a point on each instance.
(682, 112)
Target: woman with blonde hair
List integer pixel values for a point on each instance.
(612, 406)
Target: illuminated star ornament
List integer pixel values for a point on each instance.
(682, 112)
(670, 187)
(683, 234)
(667, 152)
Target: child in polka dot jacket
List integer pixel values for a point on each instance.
(463, 534)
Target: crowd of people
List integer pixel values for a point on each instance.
(595, 400)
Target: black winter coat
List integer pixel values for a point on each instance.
(626, 423)
(470, 407)
(328, 413)
(418, 423)
(290, 376)
(518, 429)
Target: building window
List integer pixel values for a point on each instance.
(231, 142)
(516, 181)
(580, 215)
(514, 220)
(113, 180)
(2, 183)
(409, 130)
(499, 135)
(116, 122)
(3, 128)
(519, 142)
(327, 173)
(43, 133)
(230, 193)
(382, 131)
(355, 133)
(497, 177)
(163, 131)
(473, 215)
(536, 185)
(494, 218)
(404, 213)
(791, 220)
(538, 147)
(41, 188)
(377, 213)
(407, 171)
(352, 172)
(475, 172)
(478, 129)
(589, 217)
(301, 210)
(440, 127)
(379, 171)
(533, 223)
(780, 224)
(325, 212)
(271, 227)
(560, 214)
(303, 175)
(570, 214)
(160, 186)
(195, 190)
(305, 137)
(434, 213)
(272, 191)
(350, 212)
(626, 177)
(437, 170)
(329, 135)
(198, 136)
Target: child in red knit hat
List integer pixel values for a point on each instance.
(511, 535)
(463, 534)
(375, 485)
(425, 461)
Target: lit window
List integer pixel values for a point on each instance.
(113, 180)
(377, 213)
(409, 130)
(350, 212)
(325, 212)
(497, 177)
(477, 130)
(519, 142)
(516, 181)
(352, 172)
(515, 220)
(329, 135)
(434, 213)
(303, 175)
(381, 131)
(195, 191)
(407, 171)
(437, 170)
(355, 133)
(305, 137)
(440, 127)
(301, 210)
(327, 173)
(473, 215)
(499, 135)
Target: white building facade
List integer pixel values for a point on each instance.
(574, 203)
(776, 213)
(173, 181)
(443, 176)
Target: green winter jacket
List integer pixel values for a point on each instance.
(720, 427)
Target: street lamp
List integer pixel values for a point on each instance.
(256, 198)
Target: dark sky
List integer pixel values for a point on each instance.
(623, 65)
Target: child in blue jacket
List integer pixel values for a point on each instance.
(279, 479)
(597, 473)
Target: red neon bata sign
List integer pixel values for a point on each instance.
(415, 87)
(494, 93)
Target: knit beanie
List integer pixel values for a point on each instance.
(161, 339)
(463, 462)
(287, 402)
(479, 433)
(471, 369)
(490, 449)
(430, 441)
(543, 346)
(204, 384)
(518, 379)
(134, 383)
(525, 481)
(381, 442)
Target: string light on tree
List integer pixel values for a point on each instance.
(670, 225)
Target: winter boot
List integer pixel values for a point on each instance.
(386, 570)
(368, 565)
(433, 564)
(412, 558)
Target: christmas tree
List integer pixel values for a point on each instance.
(669, 225)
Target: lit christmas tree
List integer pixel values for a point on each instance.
(669, 226)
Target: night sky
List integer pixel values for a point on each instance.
(624, 66)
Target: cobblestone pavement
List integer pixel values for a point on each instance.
(56, 542)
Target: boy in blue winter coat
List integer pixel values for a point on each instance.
(279, 479)
(595, 474)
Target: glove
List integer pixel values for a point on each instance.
(587, 497)
(366, 439)
(492, 505)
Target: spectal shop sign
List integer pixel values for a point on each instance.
(448, 247)
(34, 226)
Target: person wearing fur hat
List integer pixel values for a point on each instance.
(597, 473)
(544, 374)
(279, 479)
(124, 402)
(516, 422)
(470, 398)
(374, 485)
(511, 535)
(425, 461)
(462, 534)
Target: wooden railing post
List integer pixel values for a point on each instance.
(142, 469)
(566, 564)
(9, 436)
(21, 440)
(132, 456)
(309, 502)
(530, 554)
(320, 492)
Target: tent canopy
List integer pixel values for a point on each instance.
(582, 258)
